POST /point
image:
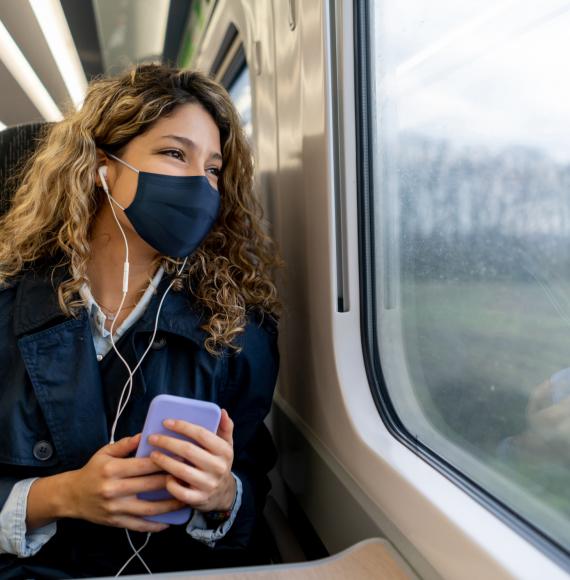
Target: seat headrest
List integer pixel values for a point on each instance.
(16, 146)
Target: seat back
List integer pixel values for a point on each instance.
(16, 146)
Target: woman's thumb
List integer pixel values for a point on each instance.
(124, 446)
(226, 427)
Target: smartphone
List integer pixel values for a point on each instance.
(163, 407)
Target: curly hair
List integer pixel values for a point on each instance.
(53, 209)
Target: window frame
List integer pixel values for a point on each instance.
(369, 309)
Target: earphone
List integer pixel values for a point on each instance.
(128, 386)
(102, 170)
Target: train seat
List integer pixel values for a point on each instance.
(17, 144)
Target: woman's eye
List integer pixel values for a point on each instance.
(216, 171)
(176, 153)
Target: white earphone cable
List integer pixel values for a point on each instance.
(136, 552)
(129, 382)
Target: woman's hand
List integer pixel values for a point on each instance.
(104, 490)
(200, 473)
(548, 426)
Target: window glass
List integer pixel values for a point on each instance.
(471, 141)
(240, 91)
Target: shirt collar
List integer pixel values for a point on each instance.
(97, 316)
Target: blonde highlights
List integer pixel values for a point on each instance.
(57, 200)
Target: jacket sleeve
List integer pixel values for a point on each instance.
(252, 374)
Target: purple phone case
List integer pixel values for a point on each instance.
(163, 407)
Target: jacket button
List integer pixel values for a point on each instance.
(158, 343)
(43, 450)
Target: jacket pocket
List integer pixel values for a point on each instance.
(26, 439)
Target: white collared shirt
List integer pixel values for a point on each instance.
(97, 318)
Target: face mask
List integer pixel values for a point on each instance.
(172, 213)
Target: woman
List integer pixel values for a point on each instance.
(133, 263)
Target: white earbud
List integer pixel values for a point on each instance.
(102, 170)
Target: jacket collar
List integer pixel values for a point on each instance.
(37, 307)
(36, 304)
(178, 315)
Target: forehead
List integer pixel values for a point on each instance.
(191, 121)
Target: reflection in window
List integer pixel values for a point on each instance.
(472, 184)
(240, 91)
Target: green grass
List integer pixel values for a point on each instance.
(475, 352)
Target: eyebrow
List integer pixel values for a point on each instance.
(192, 145)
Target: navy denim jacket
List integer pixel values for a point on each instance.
(51, 390)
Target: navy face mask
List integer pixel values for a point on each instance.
(172, 213)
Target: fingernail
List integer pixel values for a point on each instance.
(168, 423)
(152, 439)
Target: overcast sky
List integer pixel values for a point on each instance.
(492, 73)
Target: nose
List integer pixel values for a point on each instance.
(197, 167)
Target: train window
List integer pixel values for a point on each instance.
(470, 236)
(240, 91)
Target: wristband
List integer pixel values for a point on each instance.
(217, 517)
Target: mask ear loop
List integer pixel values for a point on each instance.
(124, 162)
